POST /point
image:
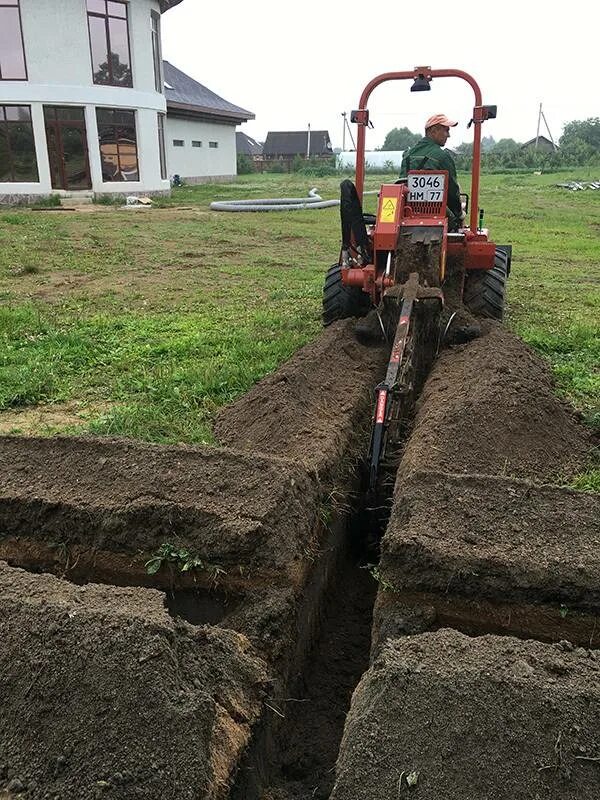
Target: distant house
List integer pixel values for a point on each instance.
(543, 145)
(200, 129)
(286, 145)
(248, 146)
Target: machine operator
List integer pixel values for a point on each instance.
(429, 154)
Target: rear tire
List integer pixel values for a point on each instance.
(485, 289)
(341, 302)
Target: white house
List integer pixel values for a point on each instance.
(200, 128)
(82, 105)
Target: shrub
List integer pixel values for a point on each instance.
(245, 165)
(276, 167)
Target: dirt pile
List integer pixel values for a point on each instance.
(315, 409)
(79, 498)
(442, 715)
(489, 407)
(493, 537)
(103, 694)
(473, 540)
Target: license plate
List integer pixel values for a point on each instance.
(426, 188)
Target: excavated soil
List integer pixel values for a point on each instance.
(103, 694)
(493, 537)
(240, 511)
(315, 409)
(96, 510)
(489, 407)
(108, 692)
(442, 715)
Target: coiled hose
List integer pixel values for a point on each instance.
(275, 203)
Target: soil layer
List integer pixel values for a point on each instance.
(493, 537)
(315, 409)
(489, 407)
(103, 694)
(240, 511)
(441, 715)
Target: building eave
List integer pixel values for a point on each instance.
(165, 5)
(207, 114)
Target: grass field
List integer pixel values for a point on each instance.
(143, 322)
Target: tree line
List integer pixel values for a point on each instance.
(578, 146)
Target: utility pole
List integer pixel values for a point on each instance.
(344, 132)
(537, 135)
(308, 144)
(542, 116)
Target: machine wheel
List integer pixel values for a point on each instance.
(485, 288)
(339, 301)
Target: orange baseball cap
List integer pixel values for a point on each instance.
(440, 119)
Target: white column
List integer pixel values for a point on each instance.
(91, 126)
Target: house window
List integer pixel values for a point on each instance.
(18, 161)
(156, 51)
(196, 143)
(213, 144)
(161, 146)
(12, 49)
(118, 144)
(109, 42)
(177, 142)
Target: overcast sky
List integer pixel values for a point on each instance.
(295, 64)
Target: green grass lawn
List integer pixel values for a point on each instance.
(143, 322)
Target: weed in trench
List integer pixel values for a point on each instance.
(182, 559)
(384, 584)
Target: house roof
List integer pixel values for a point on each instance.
(187, 97)
(165, 5)
(542, 140)
(247, 145)
(289, 143)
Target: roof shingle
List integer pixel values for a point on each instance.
(185, 94)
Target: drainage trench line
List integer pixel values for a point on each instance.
(293, 757)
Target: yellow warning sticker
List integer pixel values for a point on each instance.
(388, 209)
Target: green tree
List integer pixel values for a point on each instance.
(115, 73)
(580, 142)
(586, 131)
(244, 164)
(400, 139)
(464, 155)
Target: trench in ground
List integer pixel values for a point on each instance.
(294, 755)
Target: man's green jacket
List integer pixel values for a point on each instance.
(426, 154)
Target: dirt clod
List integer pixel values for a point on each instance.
(230, 509)
(494, 537)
